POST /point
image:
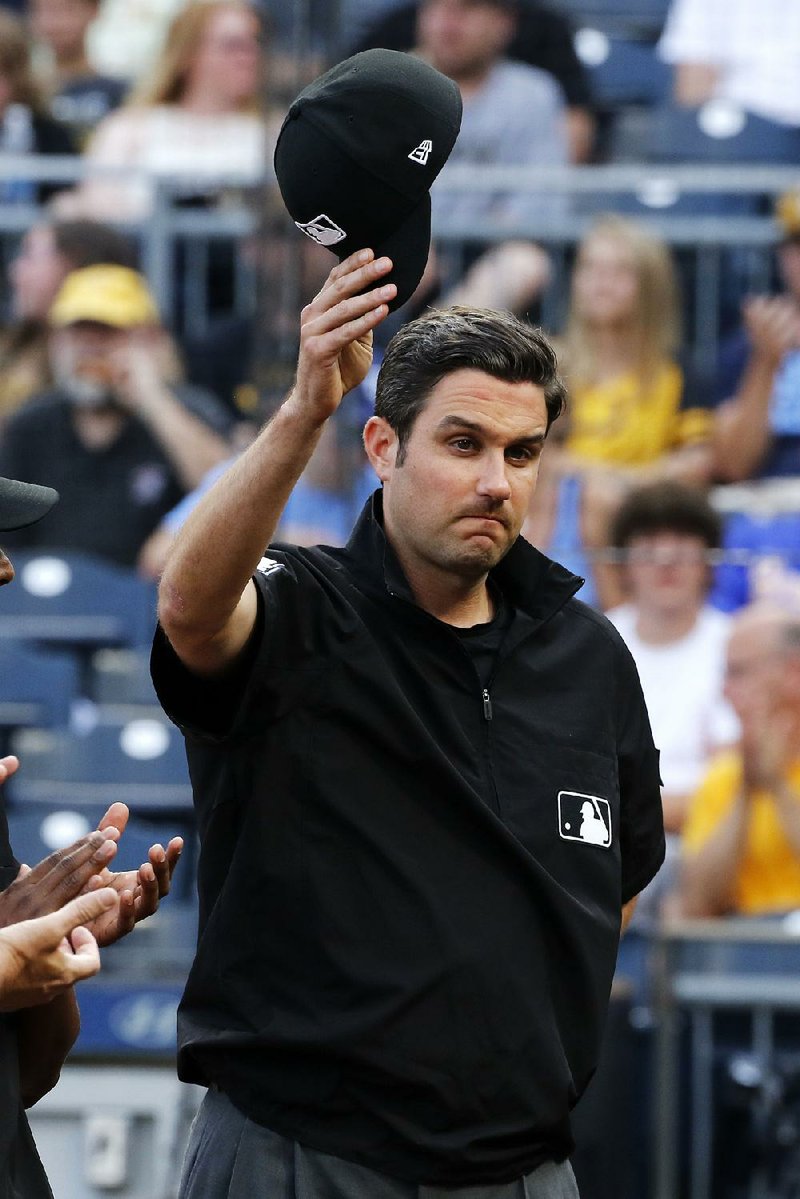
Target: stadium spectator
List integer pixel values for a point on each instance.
(78, 95)
(514, 114)
(758, 384)
(741, 839)
(744, 52)
(665, 533)
(199, 115)
(633, 416)
(757, 431)
(119, 436)
(48, 252)
(541, 39)
(128, 35)
(25, 126)
(324, 503)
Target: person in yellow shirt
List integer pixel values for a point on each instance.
(632, 417)
(630, 405)
(741, 839)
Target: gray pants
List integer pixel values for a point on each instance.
(231, 1157)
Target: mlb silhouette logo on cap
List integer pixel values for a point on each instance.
(358, 152)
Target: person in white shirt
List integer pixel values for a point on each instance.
(745, 52)
(198, 115)
(667, 533)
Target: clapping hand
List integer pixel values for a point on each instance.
(139, 891)
(42, 957)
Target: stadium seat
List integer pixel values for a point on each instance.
(119, 687)
(717, 133)
(37, 688)
(622, 71)
(36, 830)
(623, 18)
(74, 599)
(142, 763)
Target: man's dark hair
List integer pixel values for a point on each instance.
(91, 243)
(666, 507)
(445, 340)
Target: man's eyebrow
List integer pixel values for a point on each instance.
(462, 422)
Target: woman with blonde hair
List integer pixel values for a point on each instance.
(199, 114)
(632, 417)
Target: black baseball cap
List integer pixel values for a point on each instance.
(358, 152)
(23, 504)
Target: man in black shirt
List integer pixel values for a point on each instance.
(407, 934)
(118, 436)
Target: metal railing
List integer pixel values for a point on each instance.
(722, 255)
(182, 288)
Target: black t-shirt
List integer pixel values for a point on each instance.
(22, 1175)
(111, 498)
(82, 103)
(406, 946)
(483, 641)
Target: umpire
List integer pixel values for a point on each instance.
(407, 938)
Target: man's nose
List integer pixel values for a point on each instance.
(6, 570)
(493, 480)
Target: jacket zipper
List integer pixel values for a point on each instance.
(488, 715)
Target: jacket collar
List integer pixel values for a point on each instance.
(528, 579)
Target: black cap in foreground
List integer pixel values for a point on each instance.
(358, 152)
(23, 504)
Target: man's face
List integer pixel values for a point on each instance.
(462, 38)
(81, 358)
(37, 273)
(457, 501)
(667, 572)
(754, 672)
(62, 24)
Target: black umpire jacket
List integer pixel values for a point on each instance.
(409, 916)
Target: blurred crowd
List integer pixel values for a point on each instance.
(111, 401)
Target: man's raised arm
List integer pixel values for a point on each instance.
(207, 600)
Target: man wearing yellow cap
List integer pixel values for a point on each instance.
(119, 436)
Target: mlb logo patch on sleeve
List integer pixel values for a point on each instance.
(584, 818)
(268, 565)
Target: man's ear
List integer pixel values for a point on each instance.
(380, 442)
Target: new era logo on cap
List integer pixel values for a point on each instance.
(422, 152)
(322, 230)
(584, 818)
